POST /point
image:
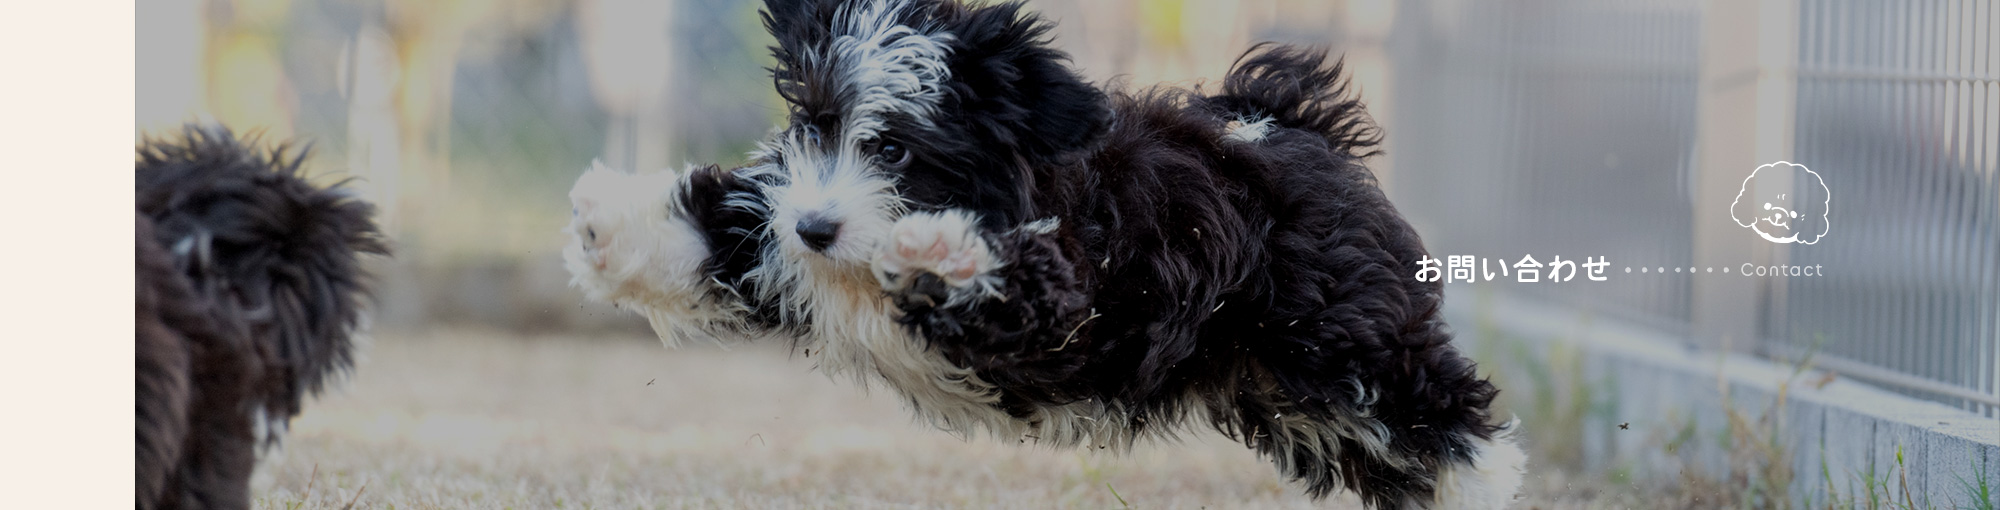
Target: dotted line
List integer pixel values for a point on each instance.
(1663, 270)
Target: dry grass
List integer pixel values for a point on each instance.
(464, 419)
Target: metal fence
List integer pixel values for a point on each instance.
(1570, 128)
(1899, 101)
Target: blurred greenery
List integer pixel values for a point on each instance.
(467, 120)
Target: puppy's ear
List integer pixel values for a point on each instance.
(1018, 90)
(797, 25)
(783, 17)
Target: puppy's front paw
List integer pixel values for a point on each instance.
(937, 259)
(632, 246)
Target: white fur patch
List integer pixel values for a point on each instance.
(854, 332)
(269, 437)
(1492, 480)
(629, 248)
(1248, 130)
(890, 67)
(844, 187)
(1042, 226)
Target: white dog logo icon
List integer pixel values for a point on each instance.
(1784, 202)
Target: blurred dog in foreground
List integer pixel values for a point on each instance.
(248, 287)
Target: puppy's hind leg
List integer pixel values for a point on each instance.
(1357, 433)
(1489, 479)
(1321, 445)
(1327, 455)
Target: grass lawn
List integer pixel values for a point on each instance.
(485, 419)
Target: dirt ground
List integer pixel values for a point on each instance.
(479, 419)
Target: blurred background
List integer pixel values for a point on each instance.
(1571, 128)
(467, 120)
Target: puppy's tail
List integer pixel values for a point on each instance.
(1293, 87)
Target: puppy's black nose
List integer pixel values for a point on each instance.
(817, 232)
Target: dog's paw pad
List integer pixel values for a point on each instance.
(936, 252)
(946, 246)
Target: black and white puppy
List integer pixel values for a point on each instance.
(953, 212)
(1082, 266)
(248, 286)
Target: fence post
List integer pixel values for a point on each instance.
(1744, 118)
(629, 50)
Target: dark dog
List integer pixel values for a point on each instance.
(954, 212)
(248, 287)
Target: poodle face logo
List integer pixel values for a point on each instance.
(1784, 202)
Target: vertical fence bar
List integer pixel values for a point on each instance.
(1894, 102)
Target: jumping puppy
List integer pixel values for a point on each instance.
(1014, 250)
(248, 287)
(954, 213)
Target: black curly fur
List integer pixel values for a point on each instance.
(1288, 85)
(249, 284)
(727, 207)
(1021, 345)
(1260, 276)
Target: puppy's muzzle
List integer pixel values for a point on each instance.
(817, 232)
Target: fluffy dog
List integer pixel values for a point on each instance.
(248, 287)
(952, 211)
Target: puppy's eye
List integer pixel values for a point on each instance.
(893, 154)
(592, 232)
